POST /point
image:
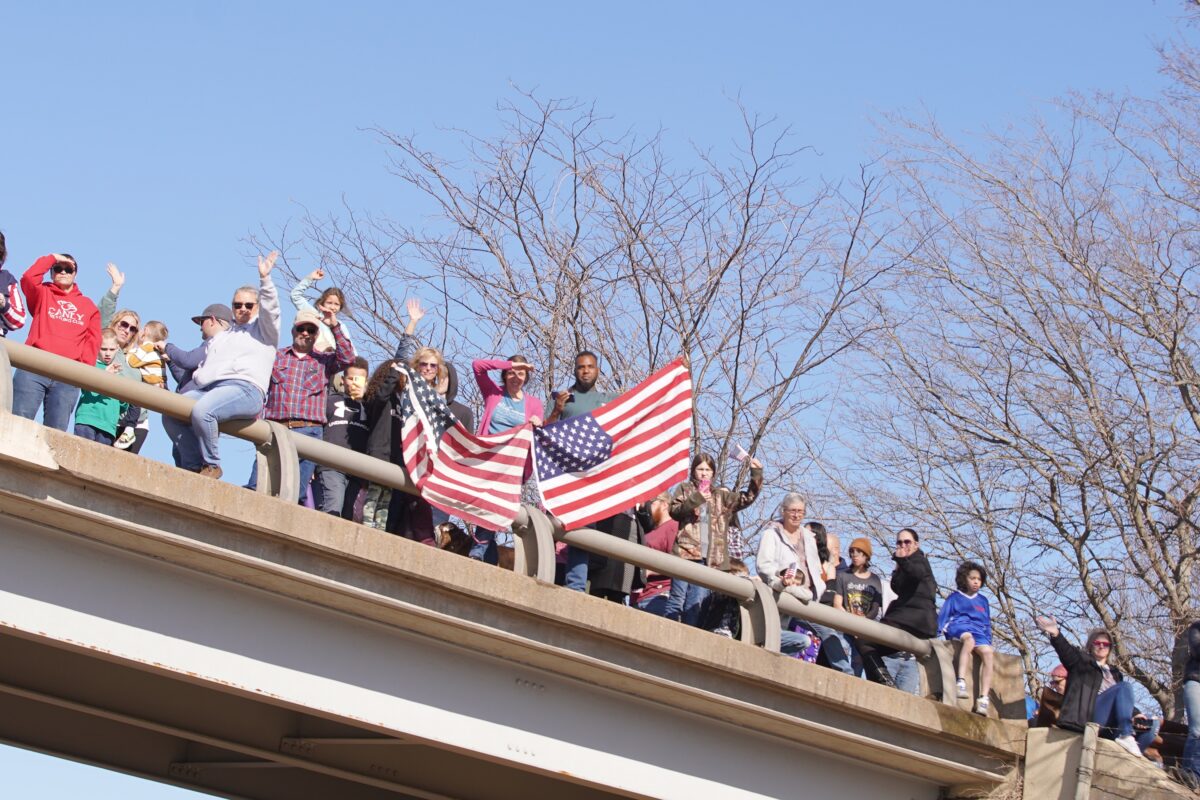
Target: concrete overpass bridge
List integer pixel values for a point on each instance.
(192, 632)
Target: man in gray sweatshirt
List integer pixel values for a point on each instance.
(232, 381)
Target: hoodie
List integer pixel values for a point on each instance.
(63, 321)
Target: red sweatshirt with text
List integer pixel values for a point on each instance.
(62, 321)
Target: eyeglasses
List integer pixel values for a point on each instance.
(311, 330)
(904, 542)
(1101, 644)
(430, 364)
(794, 512)
(244, 305)
(126, 325)
(65, 269)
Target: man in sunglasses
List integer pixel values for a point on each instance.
(232, 381)
(63, 322)
(300, 379)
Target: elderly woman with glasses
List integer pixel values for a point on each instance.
(1096, 690)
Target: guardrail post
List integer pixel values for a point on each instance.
(279, 464)
(760, 618)
(6, 381)
(533, 546)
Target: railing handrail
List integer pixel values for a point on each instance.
(534, 528)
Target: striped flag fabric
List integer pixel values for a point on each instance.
(626, 451)
(476, 478)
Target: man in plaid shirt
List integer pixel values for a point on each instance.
(300, 380)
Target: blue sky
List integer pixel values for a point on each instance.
(159, 135)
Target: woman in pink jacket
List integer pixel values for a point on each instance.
(505, 406)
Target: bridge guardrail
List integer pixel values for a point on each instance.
(280, 451)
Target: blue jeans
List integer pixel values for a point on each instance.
(1191, 748)
(307, 468)
(905, 672)
(656, 605)
(222, 401)
(484, 546)
(94, 434)
(1114, 709)
(685, 600)
(56, 399)
(793, 642)
(577, 569)
(834, 646)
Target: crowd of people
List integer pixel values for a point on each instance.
(317, 385)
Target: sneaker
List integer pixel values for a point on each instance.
(128, 437)
(982, 704)
(211, 471)
(960, 688)
(726, 632)
(1130, 744)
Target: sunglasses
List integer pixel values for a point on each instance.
(1101, 644)
(430, 364)
(311, 330)
(904, 542)
(244, 305)
(65, 269)
(126, 325)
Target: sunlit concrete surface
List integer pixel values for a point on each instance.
(193, 632)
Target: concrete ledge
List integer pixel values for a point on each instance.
(129, 502)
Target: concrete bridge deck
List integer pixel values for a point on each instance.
(190, 631)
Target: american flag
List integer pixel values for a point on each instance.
(476, 478)
(628, 450)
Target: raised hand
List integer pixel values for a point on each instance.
(755, 464)
(316, 275)
(415, 312)
(116, 276)
(1048, 625)
(265, 265)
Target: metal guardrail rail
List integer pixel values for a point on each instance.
(279, 453)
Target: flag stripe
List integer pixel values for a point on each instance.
(477, 478)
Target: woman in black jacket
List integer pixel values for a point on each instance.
(1096, 690)
(913, 610)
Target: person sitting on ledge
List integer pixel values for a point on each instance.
(1096, 690)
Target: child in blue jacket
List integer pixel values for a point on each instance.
(966, 616)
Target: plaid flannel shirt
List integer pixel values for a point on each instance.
(299, 385)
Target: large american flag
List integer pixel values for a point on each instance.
(628, 450)
(476, 478)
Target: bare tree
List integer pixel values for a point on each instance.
(1035, 400)
(556, 235)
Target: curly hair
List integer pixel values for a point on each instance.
(964, 571)
(378, 376)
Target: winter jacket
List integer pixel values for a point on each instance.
(1083, 683)
(1191, 671)
(384, 420)
(64, 322)
(915, 606)
(722, 505)
(776, 554)
(492, 392)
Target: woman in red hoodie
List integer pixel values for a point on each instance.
(63, 322)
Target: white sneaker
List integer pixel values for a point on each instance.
(1130, 744)
(726, 632)
(982, 704)
(960, 688)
